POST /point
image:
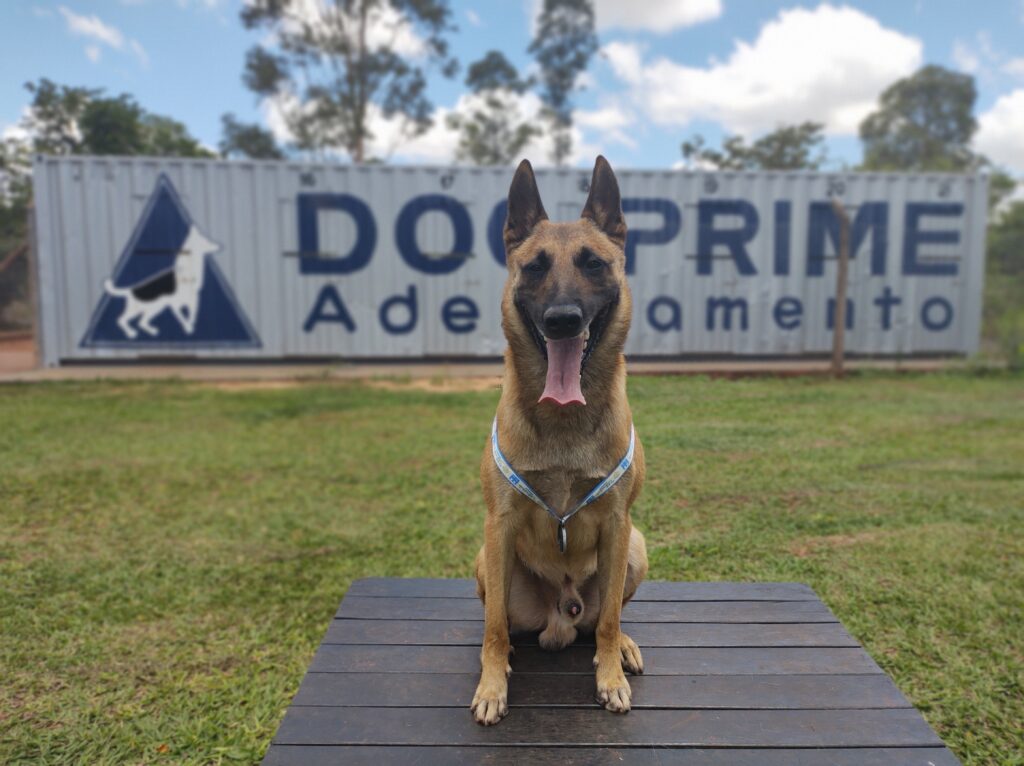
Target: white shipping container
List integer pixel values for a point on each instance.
(156, 257)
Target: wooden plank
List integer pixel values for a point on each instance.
(588, 727)
(655, 590)
(370, 608)
(341, 658)
(470, 633)
(368, 755)
(793, 692)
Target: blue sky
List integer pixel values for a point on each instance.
(667, 69)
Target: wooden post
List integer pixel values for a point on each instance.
(839, 326)
(31, 256)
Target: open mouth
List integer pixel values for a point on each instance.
(591, 335)
(567, 357)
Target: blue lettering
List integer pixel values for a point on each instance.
(675, 314)
(733, 239)
(914, 237)
(459, 314)
(496, 231)
(788, 313)
(871, 217)
(783, 216)
(728, 305)
(407, 301)
(947, 314)
(311, 260)
(405, 233)
(830, 314)
(885, 302)
(328, 299)
(671, 222)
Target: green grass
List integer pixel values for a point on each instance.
(171, 554)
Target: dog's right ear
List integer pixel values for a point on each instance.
(525, 210)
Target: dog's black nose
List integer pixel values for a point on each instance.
(573, 607)
(563, 321)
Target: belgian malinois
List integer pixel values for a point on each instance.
(563, 424)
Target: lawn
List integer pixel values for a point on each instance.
(171, 554)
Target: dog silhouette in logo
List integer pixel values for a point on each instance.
(176, 289)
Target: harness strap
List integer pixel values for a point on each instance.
(519, 483)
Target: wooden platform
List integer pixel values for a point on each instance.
(736, 673)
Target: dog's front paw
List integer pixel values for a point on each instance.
(632, 661)
(490, 703)
(613, 691)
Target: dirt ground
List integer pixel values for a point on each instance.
(17, 354)
(18, 364)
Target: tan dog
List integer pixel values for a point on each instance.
(563, 424)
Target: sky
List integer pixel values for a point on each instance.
(666, 69)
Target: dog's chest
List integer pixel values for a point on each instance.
(561, 489)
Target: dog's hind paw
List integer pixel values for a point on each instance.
(556, 636)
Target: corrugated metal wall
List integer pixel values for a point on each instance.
(91, 212)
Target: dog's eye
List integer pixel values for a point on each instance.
(537, 266)
(593, 264)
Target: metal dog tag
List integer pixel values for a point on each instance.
(561, 537)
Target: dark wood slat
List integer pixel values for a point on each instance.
(656, 590)
(470, 633)
(341, 658)
(368, 755)
(368, 608)
(580, 727)
(807, 692)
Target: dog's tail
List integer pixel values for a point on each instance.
(117, 292)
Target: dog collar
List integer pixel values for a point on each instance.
(519, 484)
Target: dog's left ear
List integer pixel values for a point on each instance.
(604, 206)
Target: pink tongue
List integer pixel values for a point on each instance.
(563, 383)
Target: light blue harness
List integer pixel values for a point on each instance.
(520, 485)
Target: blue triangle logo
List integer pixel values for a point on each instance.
(166, 291)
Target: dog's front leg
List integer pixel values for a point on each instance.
(490, 703)
(612, 562)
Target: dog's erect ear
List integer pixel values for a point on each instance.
(604, 207)
(525, 210)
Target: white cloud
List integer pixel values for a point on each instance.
(965, 59)
(661, 16)
(16, 130)
(391, 139)
(387, 27)
(474, 18)
(979, 57)
(93, 28)
(140, 52)
(1014, 67)
(609, 122)
(1000, 130)
(827, 64)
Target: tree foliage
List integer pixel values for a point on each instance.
(790, 147)
(924, 122)
(563, 45)
(1004, 283)
(72, 120)
(240, 139)
(492, 131)
(334, 61)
